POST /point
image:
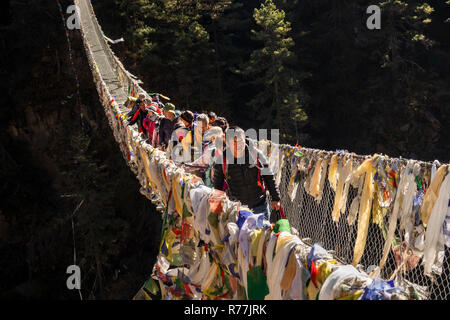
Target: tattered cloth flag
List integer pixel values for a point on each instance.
(114, 41)
(159, 95)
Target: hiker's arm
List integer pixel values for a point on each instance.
(132, 122)
(272, 187)
(134, 119)
(218, 177)
(267, 176)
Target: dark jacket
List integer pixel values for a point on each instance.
(165, 131)
(242, 180)
(138, 118)
(134, 109)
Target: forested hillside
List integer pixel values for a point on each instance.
(309, 67)
(51, 165)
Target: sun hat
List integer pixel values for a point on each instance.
(152, 108)
(169, 107)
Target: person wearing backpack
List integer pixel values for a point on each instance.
(203, 166)
(140, 115)
(193, 143)
(151, 123)
(220, 122)
(240, 168)
(211, 117)
(166, 126)
(180, 130)
(134, 104)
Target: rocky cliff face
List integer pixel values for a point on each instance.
(50, 163)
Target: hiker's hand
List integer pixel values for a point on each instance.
(276, 205)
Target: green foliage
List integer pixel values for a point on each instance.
(310, 68)
(270, 69)
(171, 41)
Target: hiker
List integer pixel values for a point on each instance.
(155, 99)
(203, 166)
(151, 123)
(186, 118)
(137, 103)
(166, 125)
(212, 117)
(140, 115)
(221, 122)
(210, 151)
(180, 130)
(240, 168)
(193, 147)
(159, 104)
(203, 122)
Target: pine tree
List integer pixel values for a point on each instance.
(171, 43)
(204, 55)
(230, 33)
(269, 69)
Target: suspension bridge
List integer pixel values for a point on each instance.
(354, 220)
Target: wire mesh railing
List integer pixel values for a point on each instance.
(314, 222)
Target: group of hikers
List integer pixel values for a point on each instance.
(207, 146)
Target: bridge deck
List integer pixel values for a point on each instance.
(97, 45)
